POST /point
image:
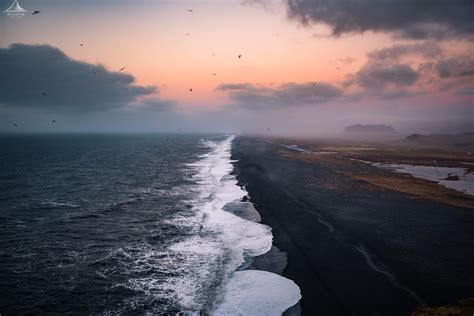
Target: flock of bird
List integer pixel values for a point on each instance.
(121, 69)
(190, 89)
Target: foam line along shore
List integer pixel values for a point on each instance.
(235, 241)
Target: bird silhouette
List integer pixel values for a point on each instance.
(81, 44)
(15, 124)
(191, 10)
(213, 74)
(45, 94)
(36, 12)
(240, 55)
(93, 72)
(268, 129)
(54, 121)
(190, 90)
(338, 68)
(123, 68)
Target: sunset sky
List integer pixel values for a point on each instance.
(306, 67)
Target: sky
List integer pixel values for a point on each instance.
(306, 67)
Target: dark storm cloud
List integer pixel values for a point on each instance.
(27, 71)
(394, 53)
(286, 95)
(388, 76)
(398, 94)
(154, 105)
(379, 76)
(415, 19)
(455, 67)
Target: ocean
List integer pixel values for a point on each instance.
(130, 224)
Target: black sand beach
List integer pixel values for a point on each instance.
(353, 249)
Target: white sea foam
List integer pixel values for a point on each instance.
(226, 243)
(55, 204)
(202, 273)
(253, 292)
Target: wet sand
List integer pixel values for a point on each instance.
(355, 248)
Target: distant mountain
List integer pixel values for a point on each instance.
(462, 141)
(369, 129)
(370, 132)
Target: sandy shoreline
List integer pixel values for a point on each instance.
(352, 248)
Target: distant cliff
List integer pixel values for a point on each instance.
(464, 141)
(370, 132)
(369, 129)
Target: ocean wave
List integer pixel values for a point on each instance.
(54, 204)
(253, 292)
(197, 262)
(227, 243)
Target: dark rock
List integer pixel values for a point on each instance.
(451, 177)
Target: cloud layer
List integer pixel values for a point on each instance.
(461, 66)
(377, 76)
(415, 19)
(428, 50)
(41, 76)
(252, 96)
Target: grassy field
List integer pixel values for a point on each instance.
(348, 157)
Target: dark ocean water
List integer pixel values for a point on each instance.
(122, 224)
(81, 216)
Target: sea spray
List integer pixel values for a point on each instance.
(227, 242)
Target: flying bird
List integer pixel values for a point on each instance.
(213, 74)
(123, 68)
(338, 68)
(93, 72)
(240, 55)
(36, 12)
(190, 90)
(15, 124)
(81, 44)
(45, 94)
(191, 10)
(268, 129)
(54, 121)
